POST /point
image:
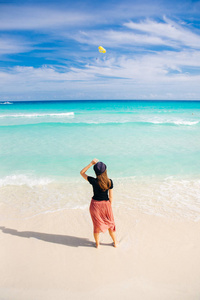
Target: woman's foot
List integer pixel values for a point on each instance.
(116, 244)
(96, 237)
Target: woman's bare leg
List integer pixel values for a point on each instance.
(112, 234)
(96, 237)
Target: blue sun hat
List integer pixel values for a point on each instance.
(99, 168)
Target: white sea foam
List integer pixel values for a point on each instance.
(179, 198)
(111, 122)
(186, 122)
(37, 115)
(21, 179)
(170, 197)
(70, 115)
(178, 122)
(143, 121)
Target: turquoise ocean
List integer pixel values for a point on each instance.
(151, 149)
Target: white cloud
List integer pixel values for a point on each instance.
(161, 67)
(113, 38)
(50, 16)
(40, 17)
(145, 73)
(159, 74)
(168, 30)
(145, 33)
(11, 45)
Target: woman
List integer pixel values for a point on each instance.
(100, 206)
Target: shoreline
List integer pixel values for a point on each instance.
(53, 255)
(173, 198)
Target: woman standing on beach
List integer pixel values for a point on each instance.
(100, 206)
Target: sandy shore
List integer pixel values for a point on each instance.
(52, 256)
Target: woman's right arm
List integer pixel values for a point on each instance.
(110, 193)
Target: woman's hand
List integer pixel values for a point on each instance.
(94, 161)
(82, 172)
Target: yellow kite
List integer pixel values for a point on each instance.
(101, 49)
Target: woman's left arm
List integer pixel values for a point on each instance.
(82, 172)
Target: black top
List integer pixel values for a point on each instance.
(99, 194)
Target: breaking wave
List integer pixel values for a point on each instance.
(37, 115)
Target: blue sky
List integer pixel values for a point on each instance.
(49, 50)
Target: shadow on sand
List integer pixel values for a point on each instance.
(66, 240)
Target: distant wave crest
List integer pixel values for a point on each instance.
(176, 122)
(37, 115)
(187, 123)
(63, 119)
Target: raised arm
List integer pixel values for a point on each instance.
(82, 172)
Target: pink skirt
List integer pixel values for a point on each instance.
(102, 216)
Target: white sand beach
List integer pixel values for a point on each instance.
(52, 256)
